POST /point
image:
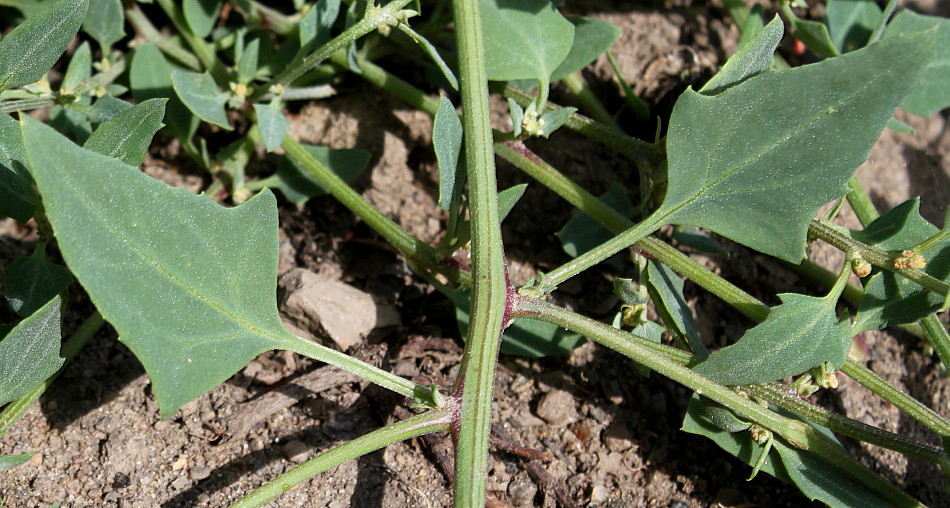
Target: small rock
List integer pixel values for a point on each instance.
(121, 481)
(200, 473)
(598, 494)
(328, 308)
(617, 437)
(296, 451)
(521, 491)
(180, 483)
(557, 407)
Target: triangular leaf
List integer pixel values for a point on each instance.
(29, 354)
(592, 37)
(756, 169)
(200, 94)
(190, 286)
(35, 45)
(31, 281)
(751, 60)
(542, 36)
(930, 92)
(801, 333)
(128, 135)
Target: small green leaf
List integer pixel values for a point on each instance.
(751, 60)
(899, 126)
(517, 116)
(652, 332)
(890, 299)
(697, 239)
(508, 198)
(666, 291)
(78, 70)
(801, 333)
(627, 292)
(851, 22)
(128, 135)
(930, 92)
(814, 35)
(720, 416)
(247, 65)
(298, 186)
(524, 39)
(29, 354)
(272, 124)
(316, 24)
(433, 54)
(582, 233)
(190, 286)
(201, 15)
(35, 45)
(525, 337)
(200, 94)
(105, 22)
(447, 142)
(18, 200)
(150, 75)
(756, 170)
(12, 461)
(31, 281)
(553, 120)
(592, 38)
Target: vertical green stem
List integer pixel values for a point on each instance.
(489, 285)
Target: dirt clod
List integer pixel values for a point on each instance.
(557, 407)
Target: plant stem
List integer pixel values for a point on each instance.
(860, 203)
(375, 17)
(391, 83)
(476, 380)
(877, 257)
(201, 49)
(797, 433)
(14, 105)
(145, 27)
(417, 251)
(16, 409)
(436, 420)
(579, 87)
(938, 337)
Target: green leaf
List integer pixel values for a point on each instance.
(78, 70)
(666, 291)
(930, 92)
(517, 116)
(35, 45)
(525, 337)
(272, 124)
(31, 281)
(447, 142)
(190, 286)
(18, 200)
(71, 122)
(316, 24)
(756, 170)
(106, 108)
(814, 35)
(105, 22)
(200, 94)
(890, 299)
(247, 65)
(29, 354)
(582, 233)
(801, 333)
(899, 126)
(508, 198)
(851, 22)
(553, 120)
(128, 135)
(433, 54)
(592, 38)
(12, 461)
(298, 186)
(150, 75)
(524, 39)
(697, 239)
(751, 60)
(201, 15)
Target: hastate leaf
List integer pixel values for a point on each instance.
(128, 135)
(756, 162)
(35, 45)
(801, 333)
(524, 39)
(29, 354)
(930, 93)
(190, 286)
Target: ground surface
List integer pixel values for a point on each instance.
(611, 435)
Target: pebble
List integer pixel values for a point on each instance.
(557, 407)
(598, 494)
(522, 491)
(296, 451)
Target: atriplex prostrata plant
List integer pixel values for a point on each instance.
(190, 285)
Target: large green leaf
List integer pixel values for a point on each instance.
(801, 333)
(29, 354)
(150, 75)
(128, 135)
(32, 48)
(755, 162)
(105, 22)
(851, 22)
(200, 94)
(524, 39)
(298, 186)
(890, 299)
(32, 281)
(190, 286)
(930, 93)
(17, 197)
(592, 38)
(751, 60)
